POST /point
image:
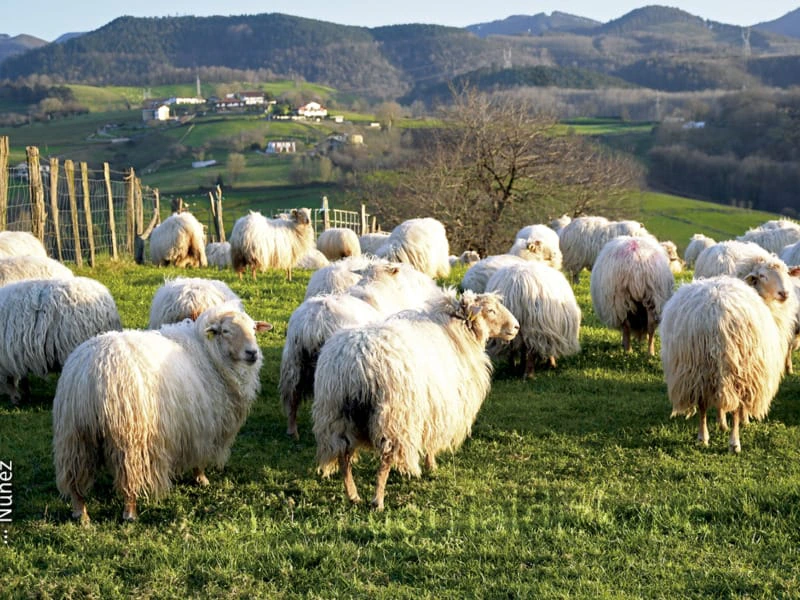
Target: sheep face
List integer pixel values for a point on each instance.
(487, 317)
(234, 335)
(771, 281)
(301, 216)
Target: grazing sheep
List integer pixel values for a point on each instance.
(312, 260)
(478, 275)
(583, 238)
(219, 254)
(631, 280)
(422, 243)
(179, 241)
(697, 244)
(720, 347)
(539, 246)
(339, 275)
(153, 404)
(186, 297)
(791, 254)
(20, 243)
(542, 300)
(28, 266)
(44, 320)
(407, 387)
(773, 236)
(259, 243)
(676, 264)
(559, 223)
(538, 232)
(370, 242)
(467, 257)
(726, 258)
(338, 242)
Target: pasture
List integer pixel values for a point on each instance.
(574, 484)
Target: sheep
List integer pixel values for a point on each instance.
(697, 244)
(407, 387)
(583, 238)
(339, 275)
(152, 404)
(676, 264)
(720, 347)
(44, 320)
(630, 282)
(559, 223)
(180, 241)
(773, 236)
(422, 243)
(384, 289)
(370, 242)
(259, 243)
(478, 275)
(467, 257)
(218, 254)
(338, 242)
(790, 254)
(312, 260)
(186, 297)
(26, 266)
(542, 300)
(538, 232)
(725, 258)
(539, 247)
(20, 243)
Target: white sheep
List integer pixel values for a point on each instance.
(467, 257)
(370, 242)
(542, 300)
(153, 404)
(559, 223)
(539, 246)
(697, 244)
(338, 242)
(312, 260)
(630, 282)
(790, 254)
(259, 243)
(44, 320)
(339, 275)
(773, 236)
(582, 239)
(186, 297)
(20, 243)
(726, 258)
(721, 348)
(218, 254)
(676, 264)
(407, 387)
(422, 243)
(477, 276)
(28, 266)
(180, 241)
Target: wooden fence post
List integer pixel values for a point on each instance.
(130, 204)
(216, 214)
(112, 222)
(326, 219)
(138, 256)
(3, 181)
(37, 193)
(69, 173)
(364, 224)
(54, 206)
(139, 208)
(87, 211)
(374, 226)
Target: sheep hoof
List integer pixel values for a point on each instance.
(702, 442)
(82, 517)
(201, 480)
(292, 433)
(377, 504)
(354, 499)
(128, 517)
(735, 448)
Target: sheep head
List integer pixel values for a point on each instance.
(232, 333)
(486, 316)
(301, 216)
(770, 280)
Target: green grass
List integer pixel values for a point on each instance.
(574, 484)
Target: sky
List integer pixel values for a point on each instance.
(48, 19)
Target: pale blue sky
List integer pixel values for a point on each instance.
(48, 19)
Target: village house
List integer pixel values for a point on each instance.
(156, 113)
(278, 147)
(312, 110)
(252, 98)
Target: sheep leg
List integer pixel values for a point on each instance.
(346, 466)
(552, 361)
(289, 274)
(383, 476)
(651, 337)
(291, 425)
(702, 433)
(129, 511)
(200, 477)
(722, 420)
(79, 509)
(626, 336)
(734, 445)
(530, 365)
(430, 462)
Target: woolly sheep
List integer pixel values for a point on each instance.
(725, 258)
(559, 223)
(338, 242)
(467, 257)
(477, 276)
(259, 243)
(541, 245)
(17, 268)
(542, 300)
(422, 243)
(312, 260)
(407, 387)
(584, 237)
(676, 264)
(790, 254)
(697, 244)
(179, 241)
(630, 282)
(720, 347)
(44, 320)
(186, 297)
(150, 405)
(339, 275)
(20, 243)
(773, 236)
(218, 254)
(370, 242)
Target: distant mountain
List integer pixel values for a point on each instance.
(533, 24)
(64, 37)
(788, 24)
(11, 46)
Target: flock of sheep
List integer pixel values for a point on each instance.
(392, 362)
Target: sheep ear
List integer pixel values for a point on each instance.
(794, 271)
(262, 326)
(751, 280)
(294, 213)
(211, 331)
(473, 312)
(393, 270)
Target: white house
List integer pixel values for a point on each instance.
(277, 147)
(159, 113)
(252, 98)
(312, 110)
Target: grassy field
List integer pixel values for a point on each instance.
(576, 484)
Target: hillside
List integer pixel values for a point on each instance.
(788, 24)
(533, 24)
(19, 44)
